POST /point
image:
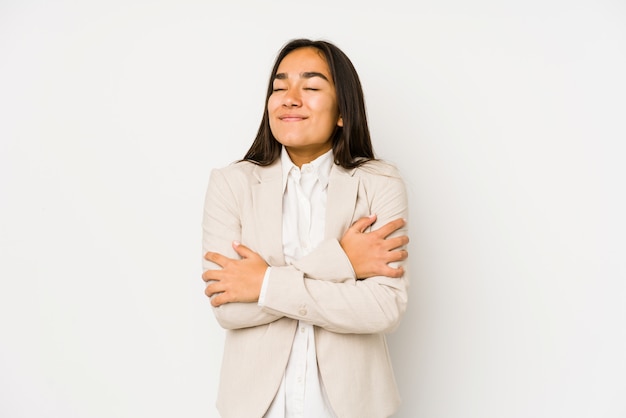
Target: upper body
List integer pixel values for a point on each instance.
(351, 316)
(351, 288)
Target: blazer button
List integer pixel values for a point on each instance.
(302, 312)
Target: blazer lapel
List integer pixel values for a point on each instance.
(267, 203)
(342, 193)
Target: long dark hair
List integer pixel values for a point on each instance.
(352, 145)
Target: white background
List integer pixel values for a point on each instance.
(507, 120)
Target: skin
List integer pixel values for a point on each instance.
(303, 115)
(303, 112)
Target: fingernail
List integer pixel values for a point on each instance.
(236, 243)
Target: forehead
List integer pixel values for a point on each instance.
(304, 60)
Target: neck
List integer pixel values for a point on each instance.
(299, 158)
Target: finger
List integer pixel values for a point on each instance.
(216, 258)
(209, 275)
(397, 256)
(213, 288)
(242, 250)
(394, 273)
(212, 275)
(363, 223)
(396, 242)
(390, 227)
(219, 299)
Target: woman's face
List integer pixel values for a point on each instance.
(302, 108)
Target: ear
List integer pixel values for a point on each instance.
(340, 122)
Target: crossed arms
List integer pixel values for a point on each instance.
(356, 284)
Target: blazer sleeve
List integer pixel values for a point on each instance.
(313, 292)
(220, 227)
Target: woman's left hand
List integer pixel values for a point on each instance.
(238, 280)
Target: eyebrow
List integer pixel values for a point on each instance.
(306, 74)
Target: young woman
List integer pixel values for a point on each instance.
(304, 243)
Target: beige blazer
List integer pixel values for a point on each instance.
(244, 203)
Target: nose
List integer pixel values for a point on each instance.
(292, 98)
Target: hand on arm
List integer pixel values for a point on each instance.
(312, 292)
(221, 225)
(237, 280)
(371, 252)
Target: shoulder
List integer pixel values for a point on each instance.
(237, 168)
(242, 176)
(232, 179)
(381, 169)
(381, 178)
(238, 172)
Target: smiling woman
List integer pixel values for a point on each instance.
(303, 112)
(305, 242)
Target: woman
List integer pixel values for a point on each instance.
(304, 243)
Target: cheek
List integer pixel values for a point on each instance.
(328, 106)
(271, 104)
(272, 107)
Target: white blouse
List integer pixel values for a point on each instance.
(301, 393)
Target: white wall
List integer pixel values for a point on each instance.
(506, 118)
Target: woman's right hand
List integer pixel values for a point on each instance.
(371, 252)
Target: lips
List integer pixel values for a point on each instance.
(291, 118)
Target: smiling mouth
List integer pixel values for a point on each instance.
(291, 118)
